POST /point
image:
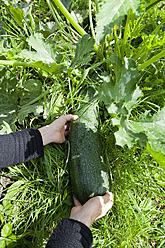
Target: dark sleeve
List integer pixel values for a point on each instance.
(21, 146)
(70, 234)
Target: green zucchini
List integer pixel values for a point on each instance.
(88, 173)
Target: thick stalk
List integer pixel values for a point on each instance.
(152, 60)
(24, 64)
(59, 20)
(17, 63)
(79, 29)
(69, 17)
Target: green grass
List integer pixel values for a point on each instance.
(39, 196)
(137, 217)
(44, 197)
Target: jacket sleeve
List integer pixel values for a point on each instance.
(70, 233)
(21, 146)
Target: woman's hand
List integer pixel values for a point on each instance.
(57, 130)
(93, 209)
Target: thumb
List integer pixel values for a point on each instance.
(76, 201)
(108, 200)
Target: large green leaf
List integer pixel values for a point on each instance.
(44, 54)
(128, 136)
(6, 230)
(32, 88)
(154, 127)
(45, 49)
(120, 97)
(124, 91)
(36, 109)
(148, 130)
(83, 51)
(111, 14)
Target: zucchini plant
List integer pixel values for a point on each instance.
(122, 94)
(118, 63)
(45, 62)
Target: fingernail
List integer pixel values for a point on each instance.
(76, 117)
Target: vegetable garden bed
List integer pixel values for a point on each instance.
(49, 53)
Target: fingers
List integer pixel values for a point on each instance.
(67, 126)
(66, 130)
(69, 117)
(108, 200)
(104, 205)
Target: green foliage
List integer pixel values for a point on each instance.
(8, 96)
(122, 90)
(46, 56)
(46, 65)
(111, 14)
(17, 14)
(7, 239)
(154, 128)
(120, 98)
(27, 95)
(16, 101)
(83, 53)
(45, 51)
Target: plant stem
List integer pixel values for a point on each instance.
(25, 64)
(16, 63)
(59, 21)
(152, 60)
(90, 20)
(79, 29)
(97, 6)
(69, 17)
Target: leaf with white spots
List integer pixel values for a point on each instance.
(44, 54)
(111, 14)
(120, 96)
(154, 128)
(124, 90)
(44, 49)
